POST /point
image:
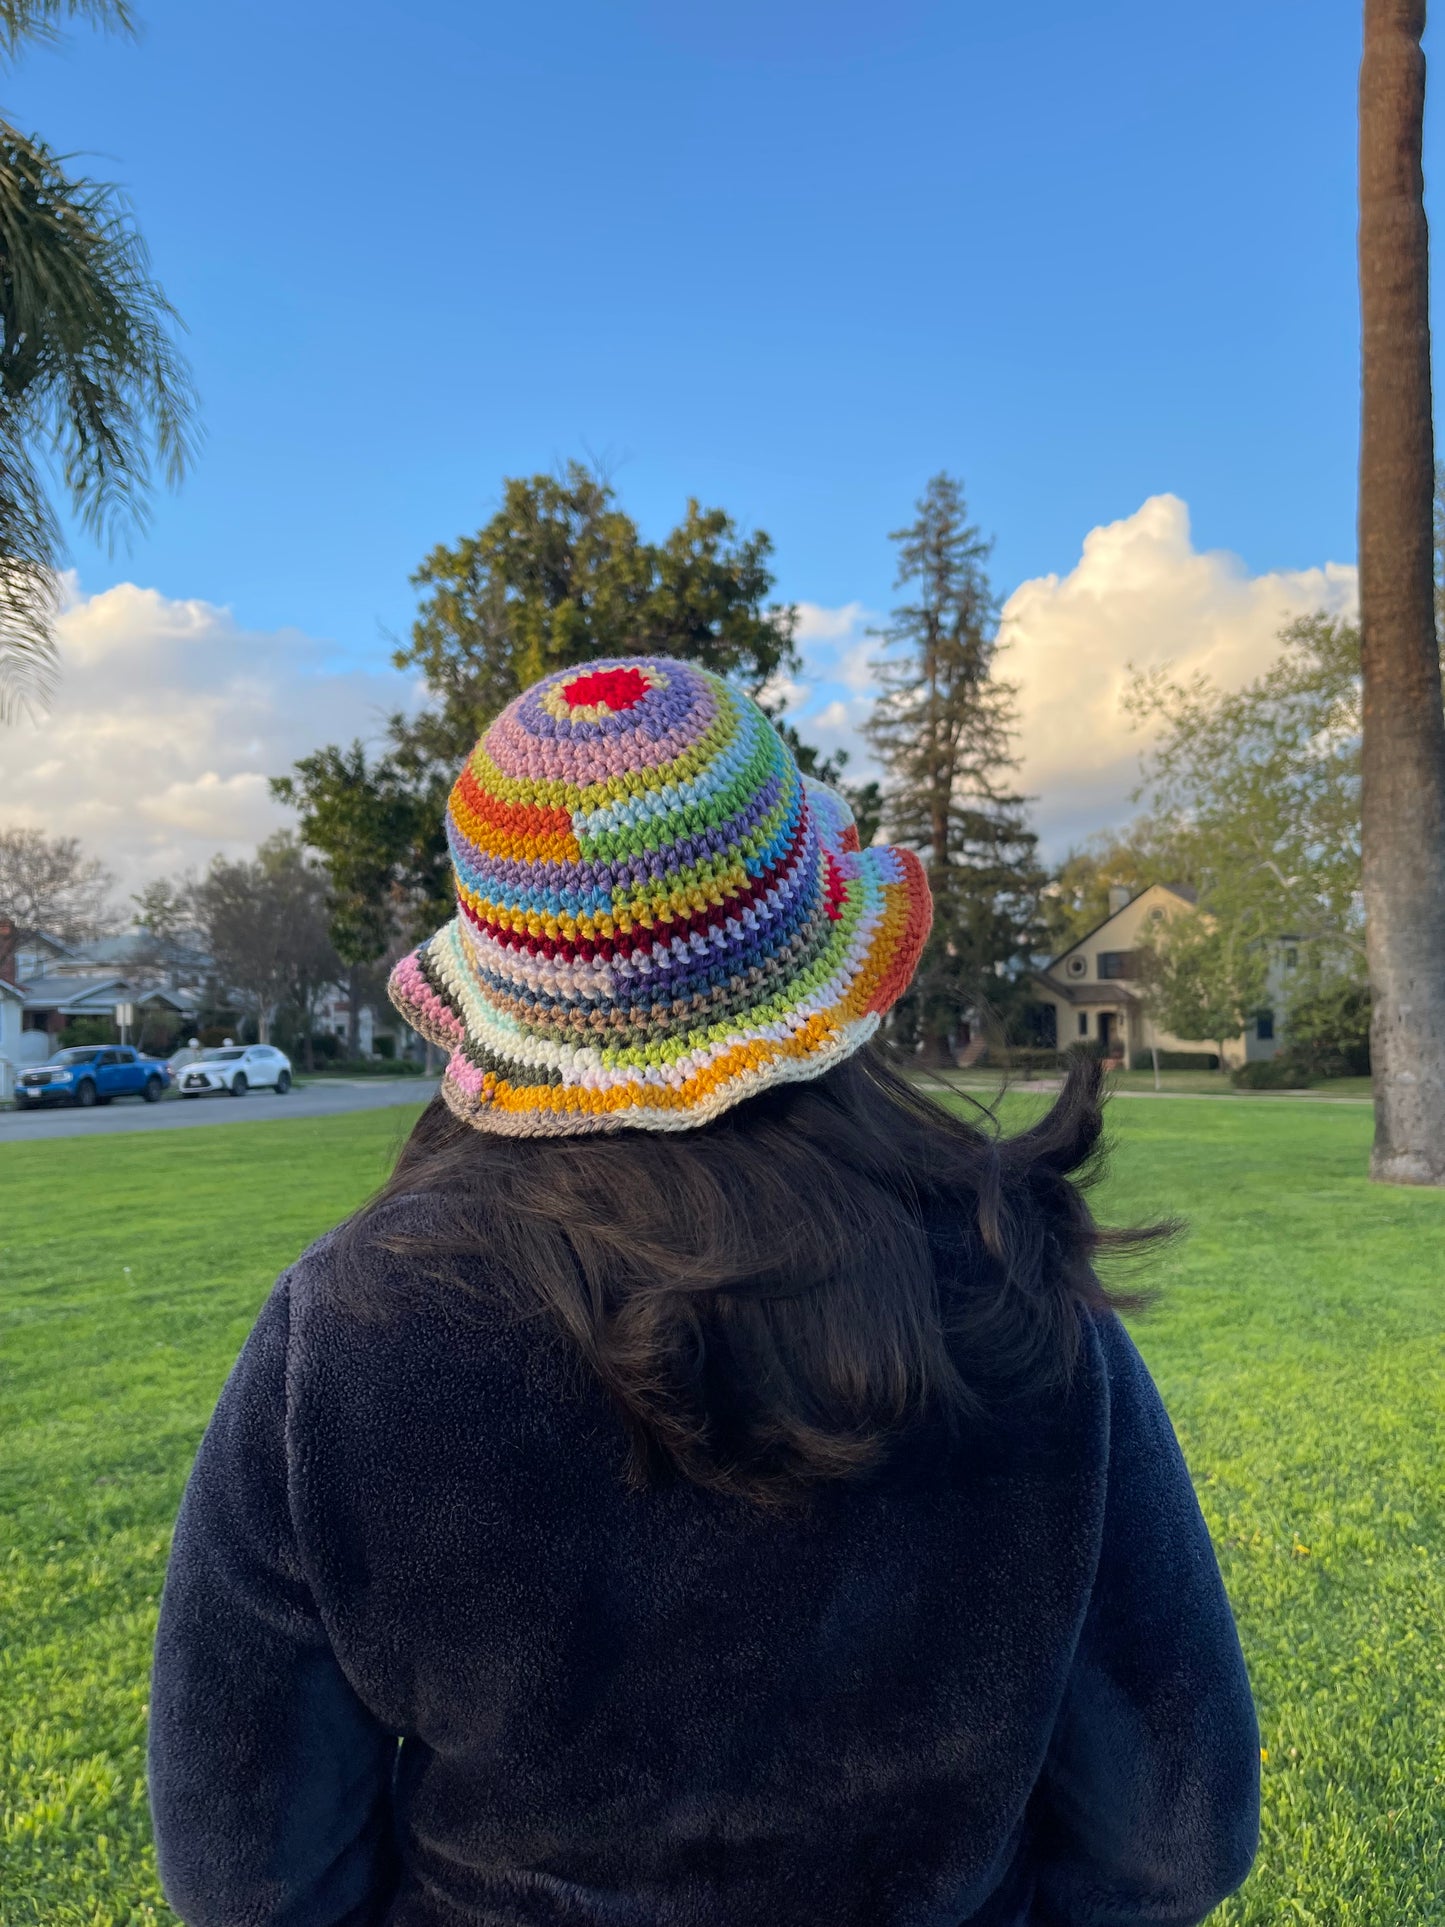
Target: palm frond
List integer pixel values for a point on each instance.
(87, 362)
(89, 375)
(24, 22)
(29, 583)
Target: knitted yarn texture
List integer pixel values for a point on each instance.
(657, 914)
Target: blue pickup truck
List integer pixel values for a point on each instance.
(92, 1074)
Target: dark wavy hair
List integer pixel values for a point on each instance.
(781, 1296)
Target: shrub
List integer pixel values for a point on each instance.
(1328, 1030)
(1024, 1059)
(160, 1040)
(87, 1030)
(1176, 1060)
(384, 1044)
(1279, 1073)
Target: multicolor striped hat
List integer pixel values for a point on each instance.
(657, 915)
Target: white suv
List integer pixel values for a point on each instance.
(236, 1069)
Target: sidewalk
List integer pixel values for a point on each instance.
(972, 1086)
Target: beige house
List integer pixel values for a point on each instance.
(1095, 993)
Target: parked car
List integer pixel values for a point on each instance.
(88, 1074)
(236, 1068)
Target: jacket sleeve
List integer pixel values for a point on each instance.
(1149, 1807)
(269, 1781)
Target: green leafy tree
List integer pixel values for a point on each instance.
(942, 729)
(560, 575)
(1202, 979)
(1254, 794)
(364, 823)
(91, 385)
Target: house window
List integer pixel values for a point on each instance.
(1291, 958)
(1264, 1026)
(1116, 963)
(1083, 1023)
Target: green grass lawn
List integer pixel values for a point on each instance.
(1298, 1344)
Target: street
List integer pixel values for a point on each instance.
(327, 1097)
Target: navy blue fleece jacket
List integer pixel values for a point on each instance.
(423, 1660)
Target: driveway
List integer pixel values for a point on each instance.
(326, 1097)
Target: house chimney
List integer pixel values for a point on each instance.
(1120, 897)
(7, 951)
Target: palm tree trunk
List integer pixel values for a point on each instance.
(1403, 756)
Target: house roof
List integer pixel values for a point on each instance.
(48, 940)
(1183, 891)
(60, 993)
(137, 947)
(93, 993)
(12, 990)
(1112, 990)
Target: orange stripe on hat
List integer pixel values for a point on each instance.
(520, 830)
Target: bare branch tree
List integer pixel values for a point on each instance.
(265, 924)
(48, 885)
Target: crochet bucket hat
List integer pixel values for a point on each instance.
(657, 914)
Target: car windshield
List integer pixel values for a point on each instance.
(78, 1054)
(223, 1056)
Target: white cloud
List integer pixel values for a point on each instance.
(167, 722)
(170, 717)
(1140, 595)
(818, 624)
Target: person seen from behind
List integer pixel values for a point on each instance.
(709, 1485)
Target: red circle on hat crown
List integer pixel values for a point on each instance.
(618, 688)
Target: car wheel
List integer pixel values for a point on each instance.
(152, 1091)
(239, 1086)
(21, 1103)
(283, 1083)
(84, 1095)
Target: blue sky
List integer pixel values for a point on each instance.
(788, 256)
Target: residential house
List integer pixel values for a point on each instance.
(147, 963)
(36, 953)
(50, 1003)
(1094, 991)
(333, 1018)
(12, 1011)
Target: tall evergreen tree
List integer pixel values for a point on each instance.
(942, 729)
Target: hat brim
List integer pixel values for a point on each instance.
(883, 917)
